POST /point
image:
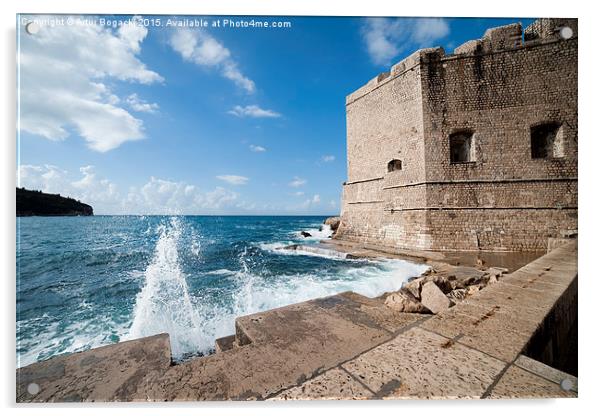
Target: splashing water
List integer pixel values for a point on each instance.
(84, 282)
(164, 304)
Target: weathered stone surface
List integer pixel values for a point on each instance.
(305, 234)
(422, 365)
(284, 347)
(358, 308)
(414, 286)
(462, 277)
(334, 384)
(321, 318)
(404, 301)
(457, 295)
(111, 373)
(433, 298)
(471, 290)
(545, 371)
(225, 343)
(502, 196)
(519, 383)
(445, 283)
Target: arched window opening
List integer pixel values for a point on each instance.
(394, 165)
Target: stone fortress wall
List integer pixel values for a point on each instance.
(476, 150)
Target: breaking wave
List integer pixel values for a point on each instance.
(190, 277)
(164, 303)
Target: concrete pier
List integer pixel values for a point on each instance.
(503, 342)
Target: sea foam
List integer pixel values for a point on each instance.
(164, 303)
(194, 321)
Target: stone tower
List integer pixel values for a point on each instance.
(475, 150)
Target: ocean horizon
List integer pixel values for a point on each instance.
(84, 282)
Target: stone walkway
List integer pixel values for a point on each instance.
(345, 346)
(473, 350)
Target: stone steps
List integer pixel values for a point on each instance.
(344, 346)
(225, 343)
(270, 351)
(280, 348)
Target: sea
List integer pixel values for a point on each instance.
(84, 282)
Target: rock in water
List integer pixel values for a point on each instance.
(334, 223)
(433, 298)
(404, 301)
(305, 234)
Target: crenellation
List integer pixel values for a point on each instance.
(550, 29)
(502, 38)
(469, 48)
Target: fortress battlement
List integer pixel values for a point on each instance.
(498, 39)
(475, 150)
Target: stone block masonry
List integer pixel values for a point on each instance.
(475, 150)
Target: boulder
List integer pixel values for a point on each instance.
(445, 283)
(334, 223)
(414, 287)
(462, 277)
(305, 234)
(433, 298)
(404, 301)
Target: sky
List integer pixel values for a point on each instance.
(164, 115)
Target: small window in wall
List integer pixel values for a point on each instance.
(461, 147)
(394, 165)
(546, 141)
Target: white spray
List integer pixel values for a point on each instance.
(164, 304)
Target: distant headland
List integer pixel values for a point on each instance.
(30, 203)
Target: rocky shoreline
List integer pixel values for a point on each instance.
(441, 287)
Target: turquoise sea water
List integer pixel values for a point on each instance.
(83, 282)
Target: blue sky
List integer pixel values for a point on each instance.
(157, 120)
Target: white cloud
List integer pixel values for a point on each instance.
(233, 179)
(253, 111)
(299, 193)
(204, 50)
(327, 158)
(311, 202)
(100, 193)
(429, 29)
(64, 76)
(157, 196)
(297, 182)
(138, 104)
(387, 38)
(47, 178)
(255, 148)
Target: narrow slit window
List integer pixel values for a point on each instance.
(546, 142)
(461, 147)
(394, 165)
